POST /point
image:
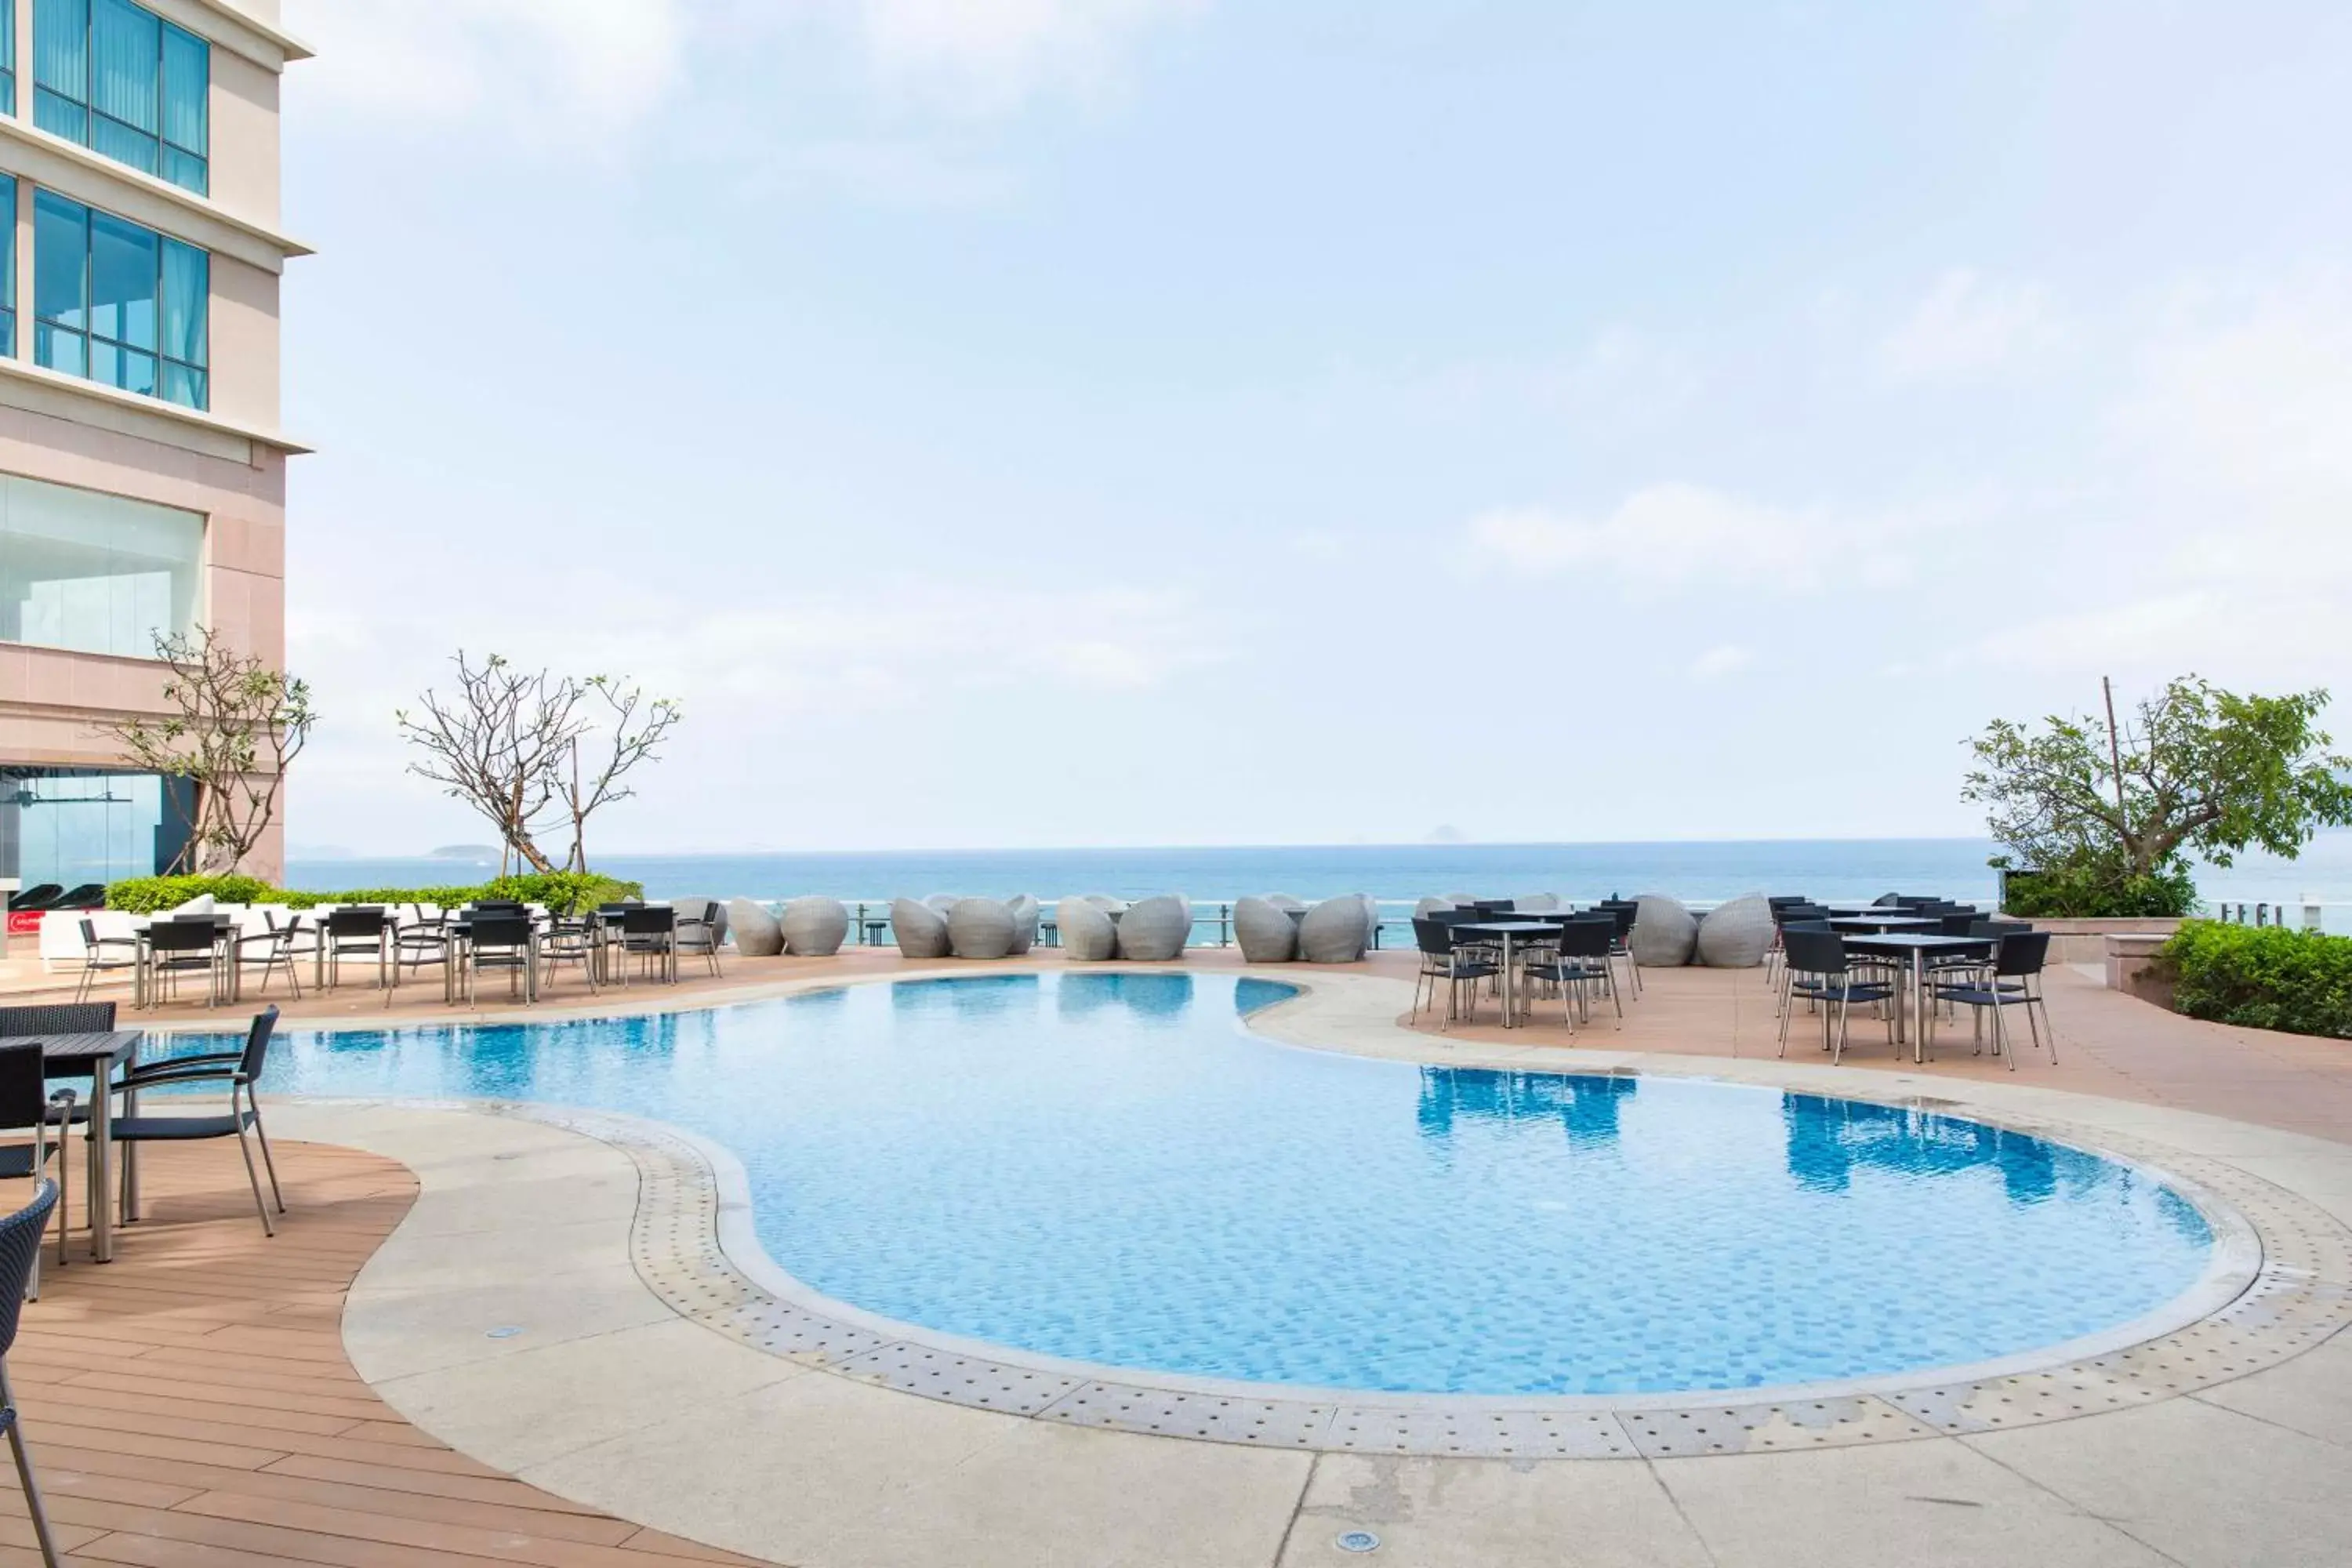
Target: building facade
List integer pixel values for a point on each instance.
(142, 468)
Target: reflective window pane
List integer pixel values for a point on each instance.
(59, 350)
(121, 143)
(125, 264)
(75, 826)
(138, 372)
(94, 573)
(61, 47)
(59, 116)
(9, 252)
(183, 384)
(126, 55)
(187, 302)
(60, 258)
(187, 90)
(186, 171)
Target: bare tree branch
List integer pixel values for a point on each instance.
(237, 727)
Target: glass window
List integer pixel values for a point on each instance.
(7, 57)
(119, 303)
(123, 81)
(73, 826)
(96, 574)
(8, 263)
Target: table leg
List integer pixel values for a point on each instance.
(101, 1164)
(129, 1152)
(1510, 1010)
(1918, 1004)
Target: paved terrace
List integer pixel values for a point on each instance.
(193, 1404)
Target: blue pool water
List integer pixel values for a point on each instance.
(1110, 1168)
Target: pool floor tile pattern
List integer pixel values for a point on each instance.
(2296, 1301)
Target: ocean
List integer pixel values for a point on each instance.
(1696, 871)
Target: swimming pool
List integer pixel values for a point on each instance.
(1110, 1168)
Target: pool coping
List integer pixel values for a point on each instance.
(2278, 1283)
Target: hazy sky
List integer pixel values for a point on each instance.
(1072, 422)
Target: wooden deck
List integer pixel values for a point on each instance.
(190, 1404)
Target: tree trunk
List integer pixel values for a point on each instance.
(522, 845)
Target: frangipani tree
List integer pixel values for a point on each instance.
(2118, 807)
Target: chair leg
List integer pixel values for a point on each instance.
(33, 1506)
(268, 1163)
(253, 1177)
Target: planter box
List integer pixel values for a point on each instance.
(2085, 942)
(2129, 970)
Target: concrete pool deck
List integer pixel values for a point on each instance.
(641, 1378)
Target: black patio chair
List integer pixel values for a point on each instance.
(697, 932)
(1457, 961)
(26, 1101)
(2013, 979)
(20, 1256)
(103, 954)
(421, 939)
(1578, 963)
(1625, 912)
(649, 934)
(361, 930)
(576, 940)
(50, 1018)
(272, 948)
(499, 940)
(1819, 972)
(185, 946)
(240, 1069)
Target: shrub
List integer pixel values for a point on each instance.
(153, 895)
(2264, 977)
(566, 893)
(2099, 887)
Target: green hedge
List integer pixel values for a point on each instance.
(2264, 977)
(2098, 889)
(564, 891)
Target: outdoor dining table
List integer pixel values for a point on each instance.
(1881, 923)
(1915, 948)
(93, 1056)
(1506, 930)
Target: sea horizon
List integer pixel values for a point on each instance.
(1694, 870)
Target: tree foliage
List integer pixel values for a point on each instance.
(508, 743)
(2113, 810)
(236, 726)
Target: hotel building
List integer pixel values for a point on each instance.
(142, 470)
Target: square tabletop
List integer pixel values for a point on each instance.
(1880, 923)
(69, 1055)
(1922, 942)
(1503, 927)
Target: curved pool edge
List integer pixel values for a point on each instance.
(2277, 1285)
(685, 1220)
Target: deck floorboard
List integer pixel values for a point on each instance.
(190, 1404)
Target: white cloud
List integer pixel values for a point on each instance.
(1727, 659)
(548, 71)
(1967, 326)
(1669, 536)
(2232, 433)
